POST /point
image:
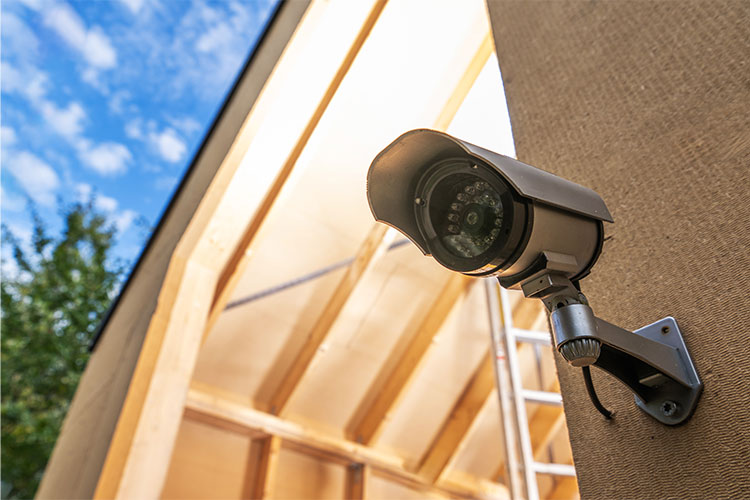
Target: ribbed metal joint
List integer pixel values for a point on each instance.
(581, 352)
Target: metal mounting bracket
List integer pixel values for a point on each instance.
(671, 403)
(652, 361)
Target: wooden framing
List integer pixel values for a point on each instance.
(237, 263)
(203, 273)
(397, 381)
(81, 449)
(357, 477)
(265, 465)
(374, 245)
(462, 416)
(210, 408)
(140, 450)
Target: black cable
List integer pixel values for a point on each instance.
(592, 393)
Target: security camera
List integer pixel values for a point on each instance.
(483, 214)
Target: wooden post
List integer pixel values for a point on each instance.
(262, 465)
(357, 476)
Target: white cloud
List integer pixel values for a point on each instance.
(108, 158)
(34, 176)
(7, 136)
(32, 4)
(67, 122)
(92, 76)
(133, 129)
(27, 81)
(186, 124)
(12, 78)
(133, 5)
(105, 203)
(11, 202)
(18, 38)
(35, 86)
(93, 44)
(169, 145)
(98, 50)
(124, 219)
(83, 192)
(118, 100)
(215, 38)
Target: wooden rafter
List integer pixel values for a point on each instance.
(374, 245)
(371, 248)
(138, 457)
(209, 408)
(459, 421)
(237, 263)
(398, 380)
(470, 76)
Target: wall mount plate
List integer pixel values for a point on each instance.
(671, 403)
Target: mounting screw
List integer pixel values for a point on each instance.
(419, 201)
(665, 329)
(669, 408)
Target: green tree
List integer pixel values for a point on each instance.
(51, 306)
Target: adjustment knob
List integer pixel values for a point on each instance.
(581, 352)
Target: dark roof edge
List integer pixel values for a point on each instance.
(273, 19)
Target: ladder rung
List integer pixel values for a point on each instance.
(531, 337)
(554, 469)
(543, 397)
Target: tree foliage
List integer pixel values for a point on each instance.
(51, 307)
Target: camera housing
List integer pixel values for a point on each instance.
(484, 214)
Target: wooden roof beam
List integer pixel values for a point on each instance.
(209, 408)
(396, 383)
(459, 421)
(374, 245)
(237, 263)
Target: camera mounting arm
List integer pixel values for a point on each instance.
(652, 361)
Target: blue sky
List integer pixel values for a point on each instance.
(110, 99)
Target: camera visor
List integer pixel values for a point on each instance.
(468, 215)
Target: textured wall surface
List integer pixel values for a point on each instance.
(648, 103)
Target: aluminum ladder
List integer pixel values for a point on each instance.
(513, 397)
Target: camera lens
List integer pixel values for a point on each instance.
(466, 213)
